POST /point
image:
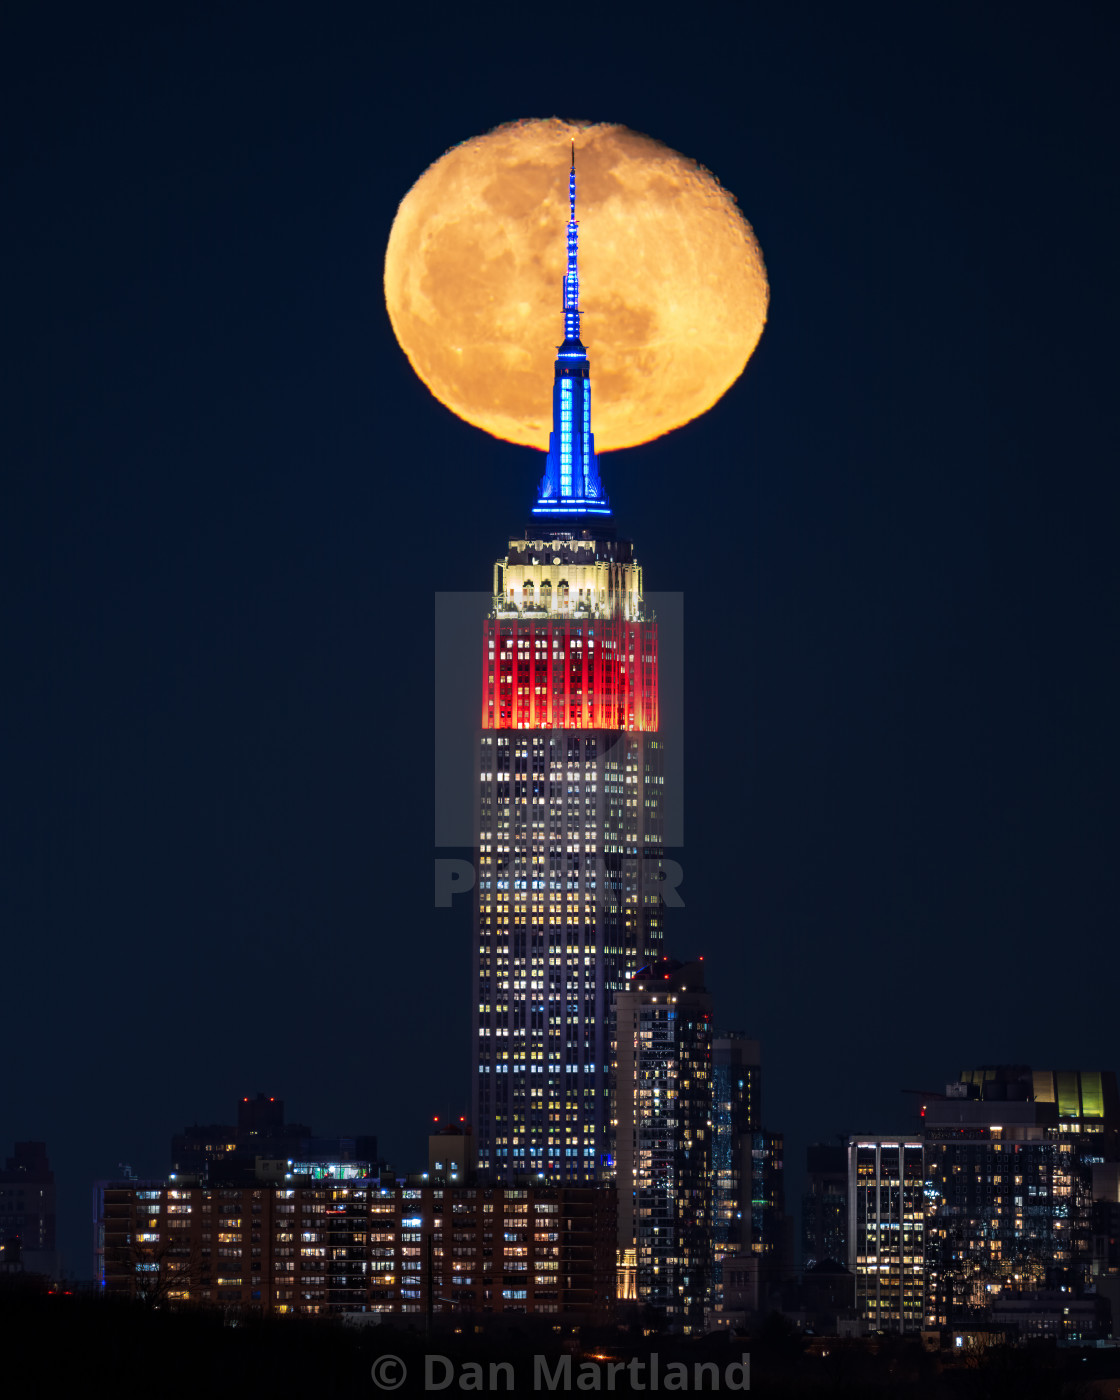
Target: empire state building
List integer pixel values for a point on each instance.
(570, 806)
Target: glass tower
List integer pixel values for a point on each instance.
(569, 815)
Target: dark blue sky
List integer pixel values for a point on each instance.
(227, 502)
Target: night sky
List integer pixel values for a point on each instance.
(228, 503)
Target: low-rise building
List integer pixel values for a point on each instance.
(1051, 1313)
(339, 1246)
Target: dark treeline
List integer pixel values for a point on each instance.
(75, 1341)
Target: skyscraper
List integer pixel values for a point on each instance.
(664, 1137)
(886, 1230)
(570, 824)
(736, 1109)
(824, 1205)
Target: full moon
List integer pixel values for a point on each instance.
(673, 289)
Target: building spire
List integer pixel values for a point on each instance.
(571, 279)
(571, 485)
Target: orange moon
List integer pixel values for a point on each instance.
(673, 289)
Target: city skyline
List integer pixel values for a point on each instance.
(964, 1222)
(893, 538)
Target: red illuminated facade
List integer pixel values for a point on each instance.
(567, 644)
(565, 673)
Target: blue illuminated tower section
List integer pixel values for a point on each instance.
(571, 484)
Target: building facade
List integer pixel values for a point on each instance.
(353, 1246)
(1011, 1154)
(222, 1149)
(771, 1237)
(27, 1212)
(451, 1153)
(886, 1230)
(570, 819)
(1105, 1268)
(824, 1205)
(663, 1136)
(992, 1226)
(1017, 1167)
(736, 1115)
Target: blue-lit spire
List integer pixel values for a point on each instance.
(571, 484)
(571, 278)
